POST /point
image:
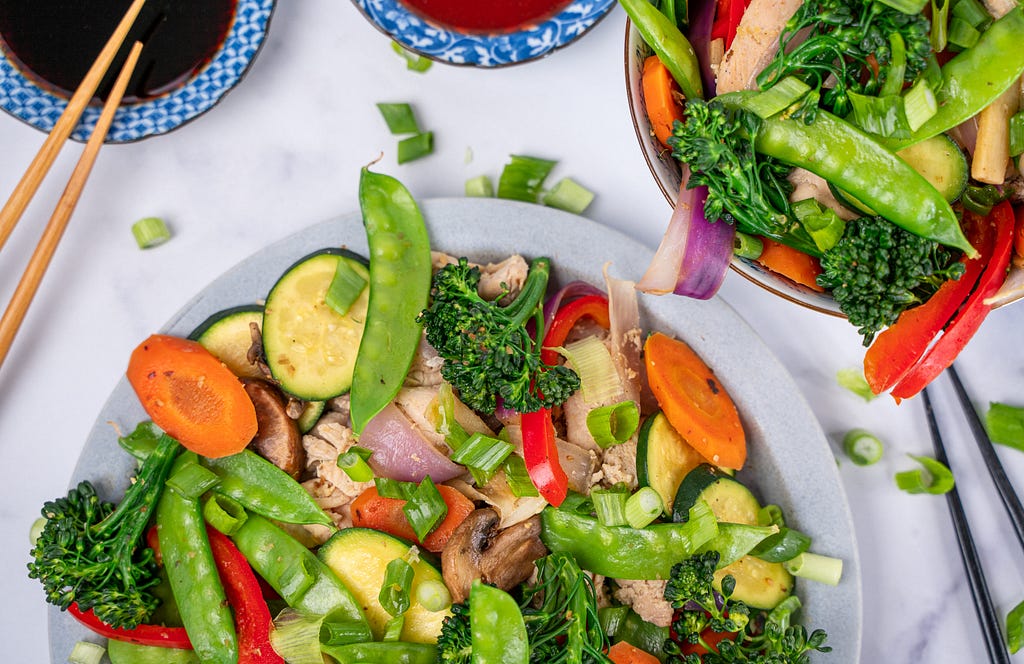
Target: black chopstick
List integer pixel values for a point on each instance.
(1007, 494)
(987, 615)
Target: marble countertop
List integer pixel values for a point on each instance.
(283, 151)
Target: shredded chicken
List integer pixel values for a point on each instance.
(331, 487)
(755, 44)
(647, 598)
(808, 185)
(619, 465)
(426, 366)
(496, 279)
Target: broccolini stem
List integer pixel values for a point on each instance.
(529, 297)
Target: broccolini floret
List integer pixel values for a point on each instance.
(877, 270)
(488, 351)
(92, 553)
(455, 644)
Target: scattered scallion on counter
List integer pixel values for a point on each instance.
(480, 187)
(413, 61)
(854, 381)
(1005, 425)
(150, 232)
(1015, 628)
(522, 178)
(933, 477)
(862, 447)
(399, 118)
(415, 147)
(569, 195)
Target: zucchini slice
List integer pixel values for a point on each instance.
(310, 348)
(359, 557)
(759, 584)
(663, 458)
(941, 162)
(226, 334)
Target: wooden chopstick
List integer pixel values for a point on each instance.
(1004, 488)
(987, 615)
(33, 275)
(29, 183)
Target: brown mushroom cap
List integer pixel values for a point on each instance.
(478, 550)
(277, 436)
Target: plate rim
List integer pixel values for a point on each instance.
(542, 227)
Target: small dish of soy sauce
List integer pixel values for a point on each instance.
(194, 53)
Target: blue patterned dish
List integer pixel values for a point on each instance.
(483, 50)
(40, 108)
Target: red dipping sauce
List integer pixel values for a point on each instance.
(486, 15)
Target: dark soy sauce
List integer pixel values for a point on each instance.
(54, 42)
(487, 15)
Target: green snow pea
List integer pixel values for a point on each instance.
(622, 623)
(674, 50)
(124, 652)
(497, 626)
(735, 540)
(861, 166)
(390, 652)
(193, 575)
(400, 273)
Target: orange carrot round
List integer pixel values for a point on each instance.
(694, 402)
(787, 261)
(624, 653)
(192, 396)
(372, 510)
(660, 98)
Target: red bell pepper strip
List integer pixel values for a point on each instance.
(727, 20)
(897, 349)
(541, 456)
(243, 591)
(969, 318)
(1018, 234)
(143, 635)
(593, 306)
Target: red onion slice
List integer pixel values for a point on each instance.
(703, 13)
(571, 291)
(401, 452)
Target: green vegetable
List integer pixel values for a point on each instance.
(779, 548)
(1005, 424)
(86, 652)
(480, 187)
(821, 223)
(124, 652)
(1017, 134)
(150, 231)
(522, 178)
(497, 627)
(399, 118)
(674, 50)
(486, 347)
(518, 478)
(354, 463)
(223, 513)
(934, 478)
(813, 566)
(89, 552)
(878, 270)
(643, 507)
(569, 195)
(747, 246)
(394, 593)
(1015, 628)
(863, 447)
(621, 623)
(345, 288)
(399, 286)
(482, 453)
(610, 505)
(962, 34)
(690, 590)
(425, 508)
(415, 147)
(854, 381)
(413, 62)
(392, 652)
(613, 424)
(919, 104)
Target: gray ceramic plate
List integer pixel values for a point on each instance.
(789, 463)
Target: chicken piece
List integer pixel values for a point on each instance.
(331, 487)
(418, 404)
(647, 598)
(808, 185)
(426, 366)
(756, 42)
(619, 465)
(495, 278)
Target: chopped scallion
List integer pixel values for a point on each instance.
(413, 62)
(342, 632)
(1015, 628)
(883, 116)
(523, 178)
(399, 118)
(816, 567)
(569, 195)
(480, 187)
(1017, 134)
(863, 447)
(389, 488)
(613, 424)
(823, 225)
(610, 506)
(973, 12)
(425, 509)
(980, 199)
(433, 595)
(934, 477)
(354, 463)
(224, 513)
(590, 358)
(771, 515)
(906, 6)
(518, 478)
(962, 34)
(919, 104)
(298, 578)
(86, 652)
(897, 66)
(415, 147)
(777, 98)
(1005, 425)
(192, 480)
(36, 529)
(394, 592)
(150, 231)
(393, 629)
(747, 246)
(643, 507)
(854, 381)
(296, 637)
(346, 287)
(940, 25)
(784, 545)
(483, 453)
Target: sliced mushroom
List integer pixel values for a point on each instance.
(478, 550)
(277, 435)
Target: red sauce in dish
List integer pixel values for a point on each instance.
(486, 15)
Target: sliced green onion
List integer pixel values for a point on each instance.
(897, 66)
(444, 418)
(906, 6)
(150, 231)
(823, 225)
(815, 567)
(782, 546)
(36, 529)
(771, 515)
(523, 178)
(1005, 425)
(940, 25)
(342, 632)
(919, 104)
(962, 34)
(610, 506)
(854, 381)
(1017, 134)
(981, 199)
(518, 478)
(569, 195)
(934, 478)
(394, 592)
(480, 187)
(393, 629)
(747, 246)
(413, 61)
(482, 452)
(1015, 628)
(863, 447)
(192, 480)
(346, 287)
(296, 637)
(643, 507)
(577, 503)
(425, 509)
(224, 513)
(777, 98)
(590, 358)
(883, 116)
(353, 462)
(433, 595)
(415, 147)
(86, 652)
(399, 118)
(613, 424)
(973, 12)
(389, 488)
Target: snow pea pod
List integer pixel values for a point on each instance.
(392, 652)
(497, 626)
(192, 573)
(861, 166)
(400, 272)
(673, 49)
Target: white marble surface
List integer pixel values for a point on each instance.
(283, 151)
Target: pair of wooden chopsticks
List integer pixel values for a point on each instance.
(987, 615)
(29, 183)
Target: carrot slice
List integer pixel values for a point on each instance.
(787, 261)
(624, 653)
(694, 402)
(660, 94)
(372, 510)
(192, 395)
